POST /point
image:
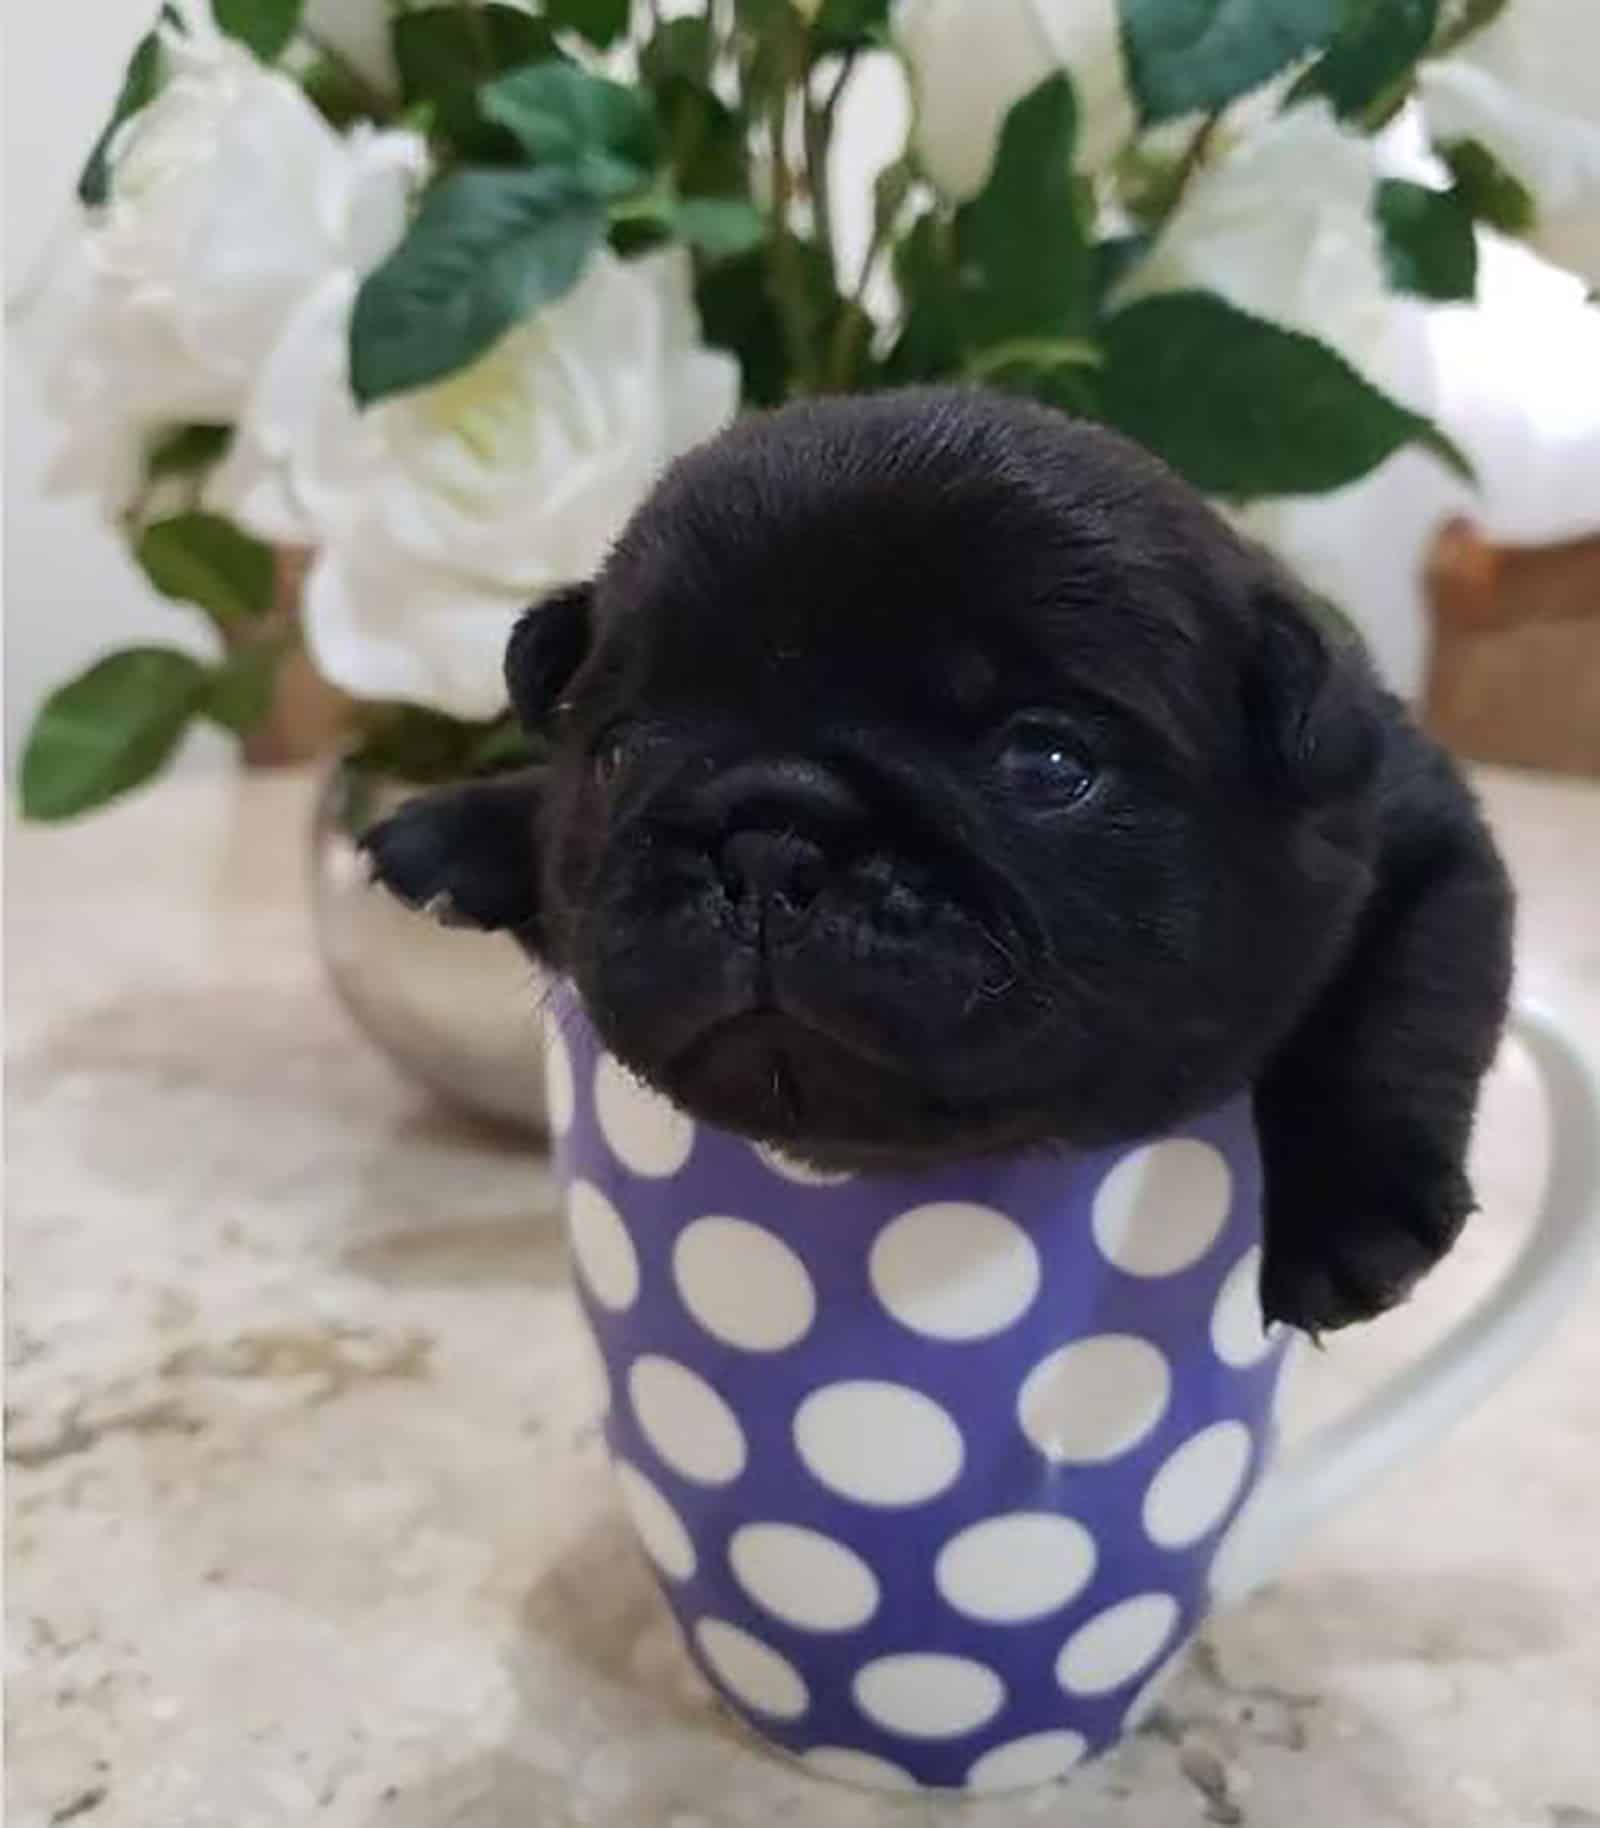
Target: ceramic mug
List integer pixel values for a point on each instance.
(939, 1473)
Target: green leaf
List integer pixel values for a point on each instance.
(498, 746)
(678, 48)
(601, 132)
(1115, 258)
(636, 232)
(265, 25)
(487, 250)
(446, 53)
(1059, 371)
(1488, 191)
(704, 141)
(762, 16)
(337, 93)
(140, 81)
(108, 730)
(186, 450)
(932, 343)
(719, 227)
(239, 689)
(850, 25)
(737, 313)
(1034, 354)
(1189, 54)
(203, 559)
(1243, 408)
(1369, 62)
(1429, 244)
(426, 747)
(1024, 259)
(891, 191)
(600, 21)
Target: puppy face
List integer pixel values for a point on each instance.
(934, 775)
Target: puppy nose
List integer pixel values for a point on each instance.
(770, 873)
(780, 794)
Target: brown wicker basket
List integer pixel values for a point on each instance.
(1515, 670)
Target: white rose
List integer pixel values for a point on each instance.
(1503, 370)
(1281, 225)
(231, 199)
(970, 64)
(438, 515)
(1528, 88)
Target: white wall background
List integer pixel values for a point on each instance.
(70, 592)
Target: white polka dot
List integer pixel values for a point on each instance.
(686, 1421)
(803, 1577)
(1016, 1567)
(1144, 1704)
(801, 1173)
(1160, 1209)
(644, 1131)
(560, 1095)
(1239, 1337)
(600, 1242)
(1117, 1644)
(751, 1671)
(861, 1768)
(1040, 1758)
(928, 1695)
(879, 1443)
(954, 1270)
(1094, 1399)
(743, 1285)
(1197, 1482)
(660, 1528)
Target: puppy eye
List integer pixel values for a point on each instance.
(1042, 760)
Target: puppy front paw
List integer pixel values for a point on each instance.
(1340, 1249)
(405, 853)
(462, 855)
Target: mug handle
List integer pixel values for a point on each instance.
(1414, 1408)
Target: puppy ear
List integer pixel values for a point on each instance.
(547, 647)
(467, 855)
(1312, 704)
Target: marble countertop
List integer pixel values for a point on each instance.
(308, 1516)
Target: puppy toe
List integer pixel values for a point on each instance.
(1339, 1253)
(1317, 1298)
(434, 856)
(405, 854)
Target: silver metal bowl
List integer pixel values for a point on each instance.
(459, 1012)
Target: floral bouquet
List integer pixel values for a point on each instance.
(426, 295)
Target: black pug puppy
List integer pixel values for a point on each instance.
(932, 774)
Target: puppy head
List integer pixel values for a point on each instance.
(932, 774)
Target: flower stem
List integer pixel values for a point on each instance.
(819, 124)
(1193, 158)
(845, 349)
(787, 273)
(786, 267)
(377, 104)
(815, 130)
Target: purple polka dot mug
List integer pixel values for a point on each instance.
(938, 1474)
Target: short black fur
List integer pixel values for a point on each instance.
(935, 775)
